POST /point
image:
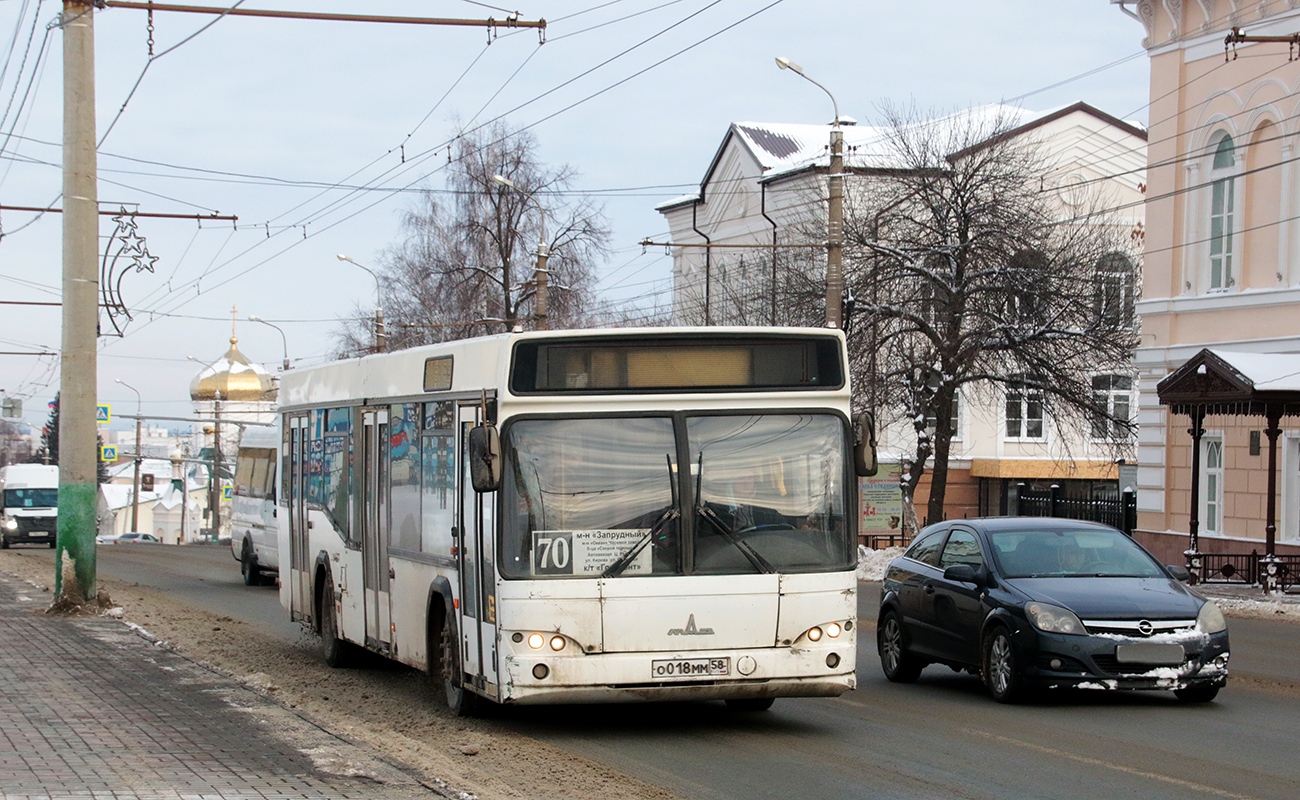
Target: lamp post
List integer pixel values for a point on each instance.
(540, 273)
(835, 215)
(135, 486)
(283, 338)
(379, 303)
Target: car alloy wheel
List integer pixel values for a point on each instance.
(1001, 666)
(898, 665)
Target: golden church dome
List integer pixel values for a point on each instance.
(235, 378)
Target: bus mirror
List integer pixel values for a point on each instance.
(484, 458)
(864, 445)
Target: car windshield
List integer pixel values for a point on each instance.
(1067, 553)
(31, 498)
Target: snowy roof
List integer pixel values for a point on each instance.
(119, 495)
(781, 148)
(1269, 372)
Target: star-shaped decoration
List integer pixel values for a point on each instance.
(145, 261)
(125, 221)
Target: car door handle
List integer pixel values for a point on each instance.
(929, 588)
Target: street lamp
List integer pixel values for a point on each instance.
(540, 273)
(379, 304)
(835, 216)
(135, 487)
(283, 338)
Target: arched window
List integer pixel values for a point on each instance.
(1212, 487)
(1222, 211)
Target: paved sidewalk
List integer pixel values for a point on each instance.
(89, 709)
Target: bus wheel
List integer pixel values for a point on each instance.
(460, 700)
(335, 650)
(750, 703)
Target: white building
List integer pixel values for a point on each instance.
(754, 202)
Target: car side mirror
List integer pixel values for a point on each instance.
(1179, 572)
(865, 463)
(965, 573)
(484, 458)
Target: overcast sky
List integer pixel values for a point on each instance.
(299, 128)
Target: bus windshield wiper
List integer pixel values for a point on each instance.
(670, 513)
(701, 510)
(616, 569)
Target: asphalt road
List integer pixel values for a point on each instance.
(940, 737)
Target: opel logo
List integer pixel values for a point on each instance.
(1145, 627)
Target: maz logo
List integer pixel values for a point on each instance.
(690, 629)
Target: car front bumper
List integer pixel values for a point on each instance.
(1092, 662)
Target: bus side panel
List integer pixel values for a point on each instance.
(411, 581)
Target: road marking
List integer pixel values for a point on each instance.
(1096, 762)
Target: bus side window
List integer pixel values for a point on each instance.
(438, 495)
(404, 476)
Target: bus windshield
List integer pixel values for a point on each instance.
(602, 497)
(31, 498)
(770, 493)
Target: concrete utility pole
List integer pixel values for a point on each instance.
(78, 451)
(835, 213)
(135, 487)
(541, 286)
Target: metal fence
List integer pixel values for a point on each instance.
(1120, 512)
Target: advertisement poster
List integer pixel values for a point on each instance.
(881, 501)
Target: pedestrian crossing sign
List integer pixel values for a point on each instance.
(108, 452)
(227, 492)
(103, 413)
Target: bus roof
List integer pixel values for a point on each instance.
(475, 364)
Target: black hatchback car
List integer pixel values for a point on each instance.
(1048, 603)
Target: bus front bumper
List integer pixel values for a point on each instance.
(816, 671)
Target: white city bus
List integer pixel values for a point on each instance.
(580, 516)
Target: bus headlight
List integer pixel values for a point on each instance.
(814, 634)
(11, 524)
(833, 630)
(536, 640)
(557, 643)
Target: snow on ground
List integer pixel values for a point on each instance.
(1259, 609)
(872, 563)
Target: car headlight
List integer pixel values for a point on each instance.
(1053, 619)
(1210, 619)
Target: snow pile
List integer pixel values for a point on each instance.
(872, 563)
(1260, 609)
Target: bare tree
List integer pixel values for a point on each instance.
(465, 267)
(965, 272)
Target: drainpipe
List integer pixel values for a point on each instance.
(708, 264)
(763, 209)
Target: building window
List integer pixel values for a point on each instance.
(1212, 488)
(1024, 412)
(1222, 211)
(1112, 395)
(1113, 286)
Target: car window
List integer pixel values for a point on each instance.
(926, 549)
(962, 548)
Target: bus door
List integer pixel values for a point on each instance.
(374, 525)
(475, 525)
(295, 492)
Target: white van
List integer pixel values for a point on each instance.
(252, 512)
(30, 497)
